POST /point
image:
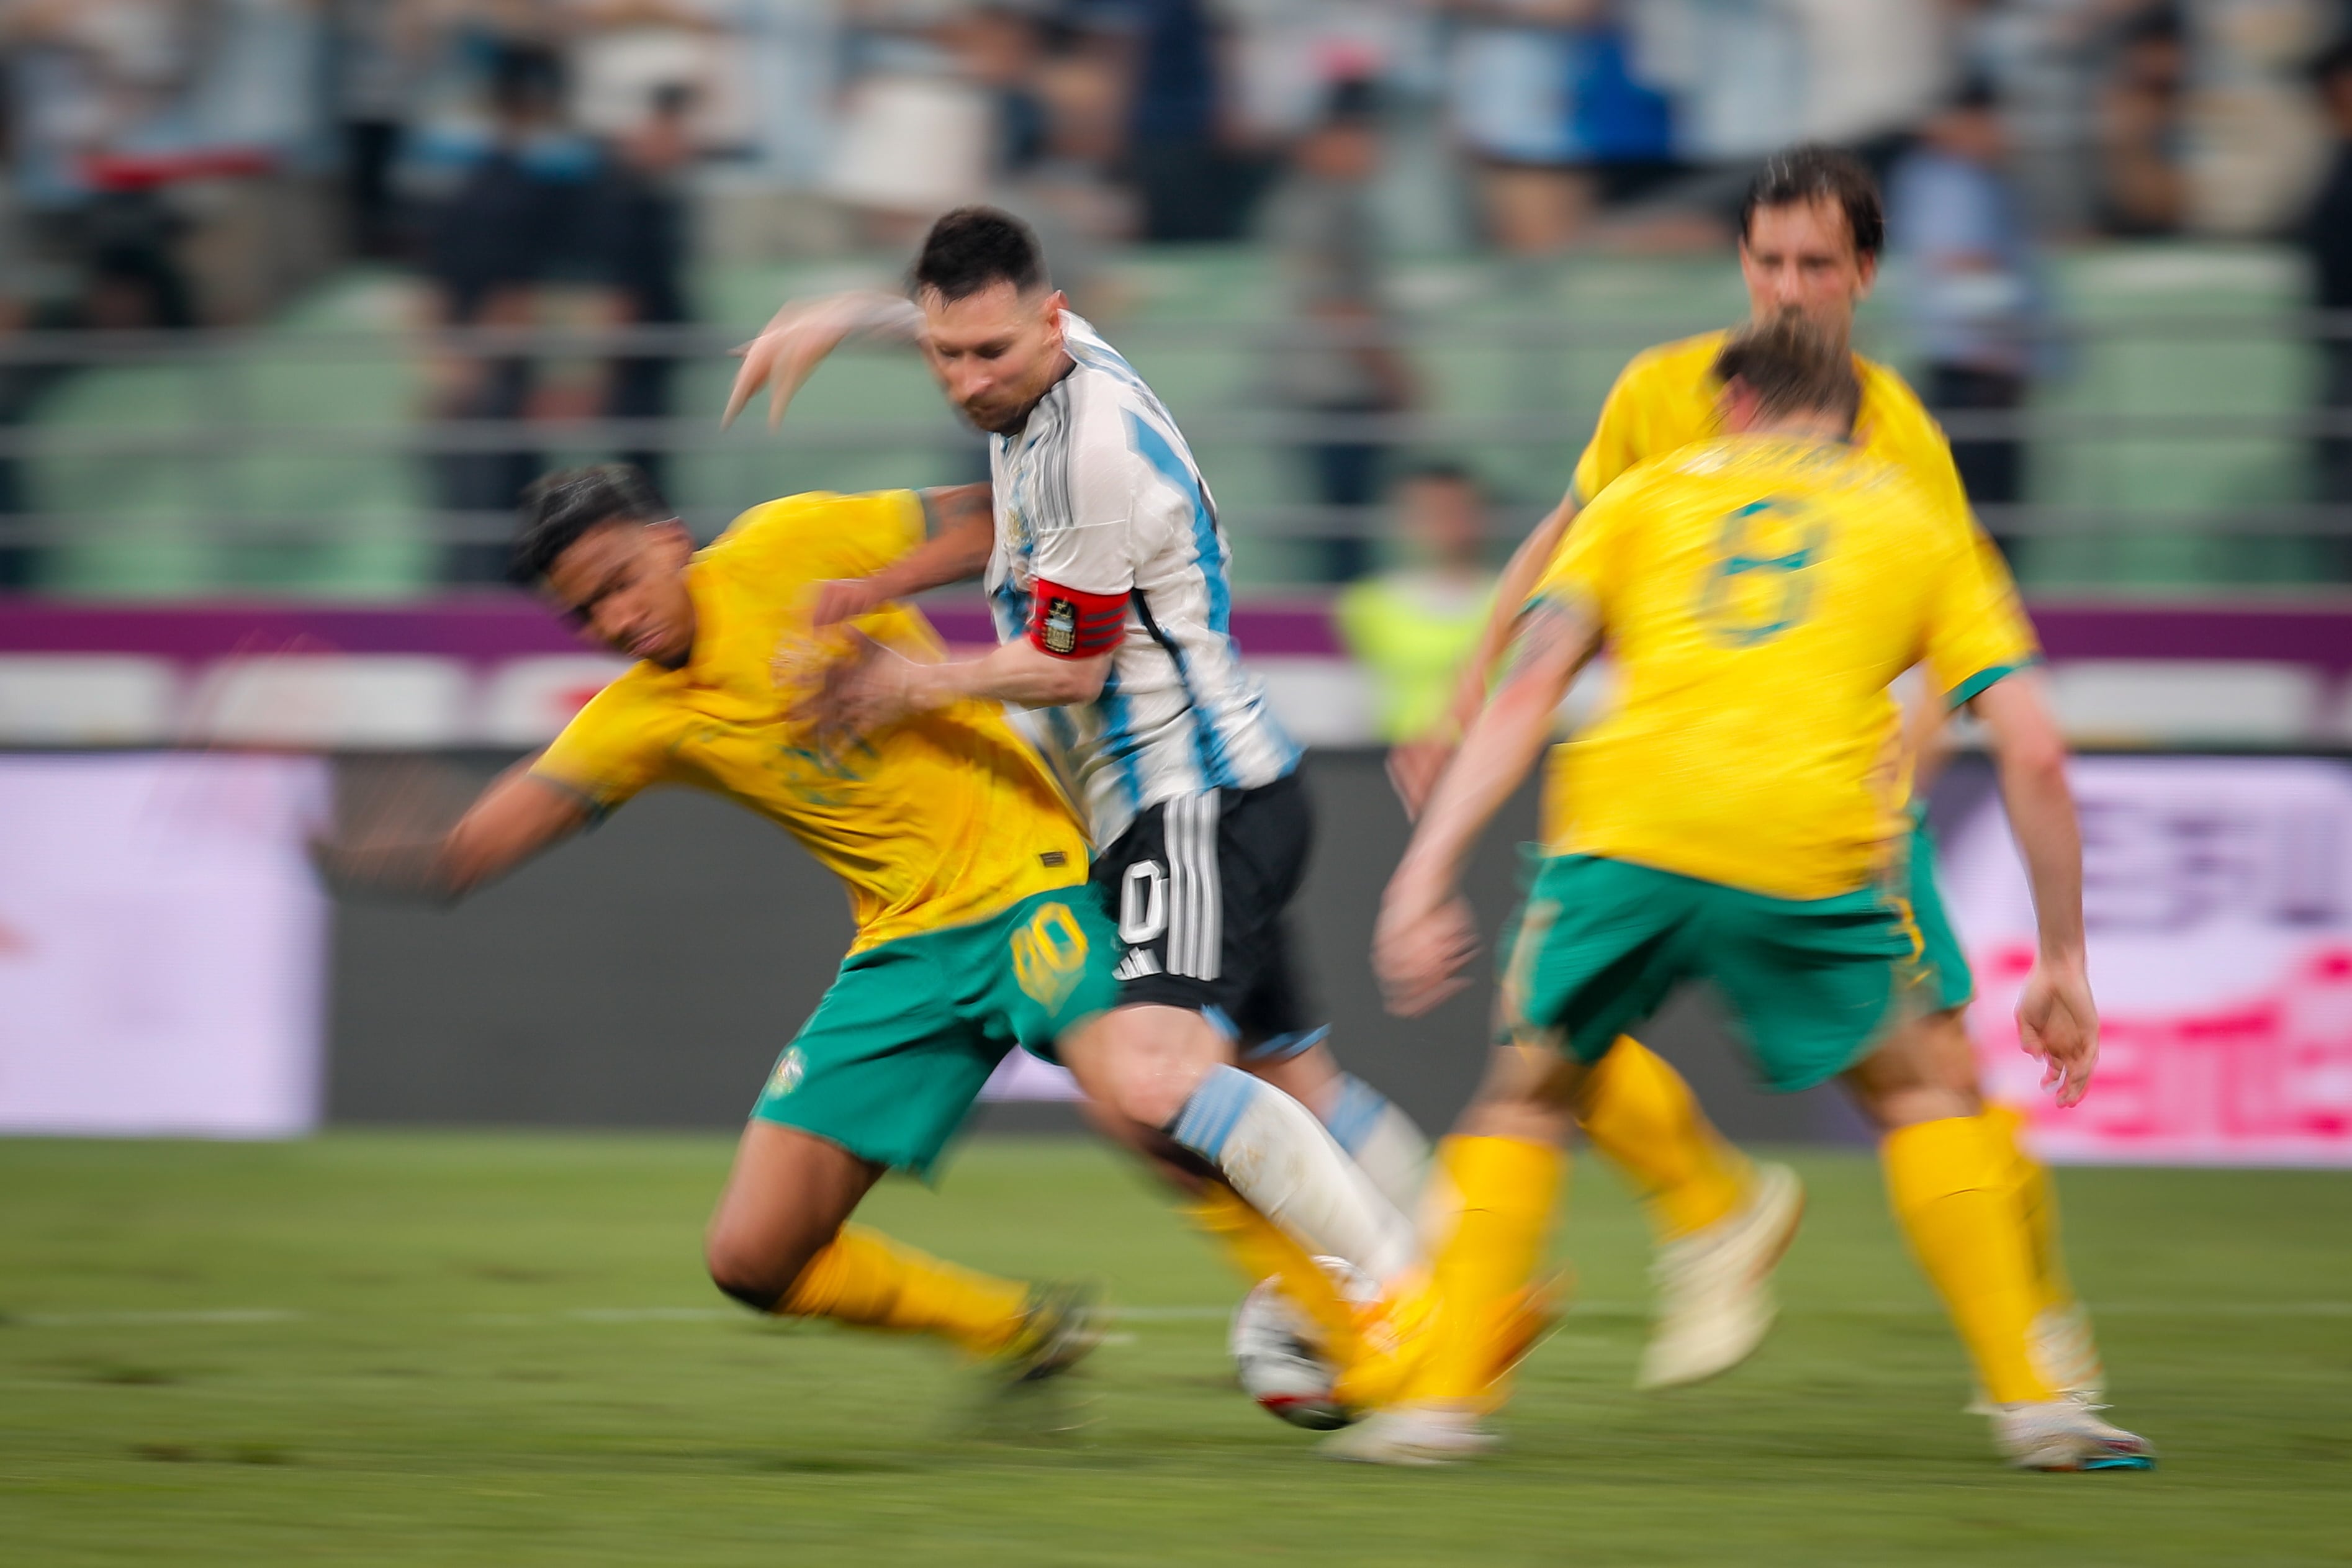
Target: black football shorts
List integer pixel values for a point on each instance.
(1200, 887)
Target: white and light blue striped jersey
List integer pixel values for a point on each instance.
(1099, 493)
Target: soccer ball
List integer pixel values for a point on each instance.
(1277, 1362)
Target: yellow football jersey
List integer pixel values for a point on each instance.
(1758, 592)
(938, 821)
(1666, 398)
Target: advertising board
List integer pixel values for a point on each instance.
(2217, 897)
(163, 958)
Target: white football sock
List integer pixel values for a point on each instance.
(1291, 1170)
(1382, 1140)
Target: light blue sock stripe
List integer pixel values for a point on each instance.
(1355, 1112)
(1209, 1117)
(1282, 1048)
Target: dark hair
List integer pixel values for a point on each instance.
(1793, 367)
(1813, 174)
(558, 507)
(976, 247)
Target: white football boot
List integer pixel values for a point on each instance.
(1715, 1287)
(2066, 1355)
(1420, 1435)
(2065, 1435)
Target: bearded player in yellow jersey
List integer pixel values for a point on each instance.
(1740, 815)
(1810, 237)
(966, 871)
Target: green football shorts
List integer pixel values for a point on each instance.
(1810, 982)
(891, 1060)
(1951, 985)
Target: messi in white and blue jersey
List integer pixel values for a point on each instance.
(1106, 539)
(1106, 577)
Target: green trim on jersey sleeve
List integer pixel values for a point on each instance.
(1983, 679)
(597, 807)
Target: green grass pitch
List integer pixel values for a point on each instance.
(499, 1349)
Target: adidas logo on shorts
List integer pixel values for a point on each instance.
(1138, 964)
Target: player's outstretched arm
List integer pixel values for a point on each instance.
(797, 338)
(1415, 764)
(962, 534)
(878, 686)
(511, 821)
(2056, 1019)
(1425, 933)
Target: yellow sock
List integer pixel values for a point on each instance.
(1949, 1182)
(865, 1277)
(1505, 1190)
(2037, 1209)
(1262, 1249)
(1638, 1111)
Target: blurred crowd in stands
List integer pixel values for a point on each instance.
(178, 162)
(1574, 120)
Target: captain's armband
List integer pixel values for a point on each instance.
(1069, 623)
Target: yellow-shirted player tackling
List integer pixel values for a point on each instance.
(947, 818)
(1810, 238)
(1739, 816)
(965, 868)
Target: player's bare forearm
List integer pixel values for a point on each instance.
(2057, 1020)
(960, 529)
(1414, 766)
(1517, 585)
(1019, 672)
(962, 536)
(1426, 934)
(878, 686)
(2029, 752)
(514, 819)
(798, 337)
(1512, 591)
(1551, 643)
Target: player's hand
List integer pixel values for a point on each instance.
(844, 599)
(1425, 937)
(798, 337)
(1414, 767)
(2058, 1022)
(869, 687)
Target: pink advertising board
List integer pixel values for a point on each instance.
(2218, 894)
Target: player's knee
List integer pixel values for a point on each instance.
(1153, 1099)
(761, 1277)
(1952, 1059)
(1145, 1062)
(1528, 1094)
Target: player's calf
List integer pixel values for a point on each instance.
(1169, 1068)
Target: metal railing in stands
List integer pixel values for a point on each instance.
(215, 427)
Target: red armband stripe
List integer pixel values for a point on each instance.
(1069, 623)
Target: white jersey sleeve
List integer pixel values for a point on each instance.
(1084, 536)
